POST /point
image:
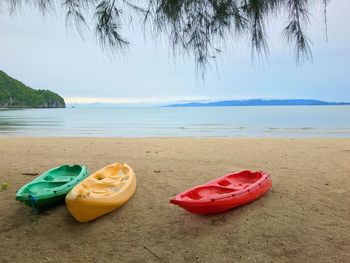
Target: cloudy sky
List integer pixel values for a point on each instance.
(44, 54)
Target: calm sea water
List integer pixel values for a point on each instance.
(274, 121)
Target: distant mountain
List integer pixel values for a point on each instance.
(14, 94)
(258, 102)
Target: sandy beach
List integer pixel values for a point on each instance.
(304, 218)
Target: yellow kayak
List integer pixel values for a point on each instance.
(102, 192)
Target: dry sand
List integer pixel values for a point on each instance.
(304, 218)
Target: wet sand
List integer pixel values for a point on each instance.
(304, 218)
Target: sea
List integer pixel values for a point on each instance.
(128, 121)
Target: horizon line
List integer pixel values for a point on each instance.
(111, 101)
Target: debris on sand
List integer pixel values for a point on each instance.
(4, 186)
(33, 174)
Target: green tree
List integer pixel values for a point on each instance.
(194, 27)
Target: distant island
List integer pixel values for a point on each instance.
(14, 94)
(258, 102)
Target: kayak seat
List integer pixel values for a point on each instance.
(95, 187)
(99, 177)
(235, 186)
(224, 182)
(42, 186)
(66, 179)
(59, 178)
(244, 177)
(205, 191)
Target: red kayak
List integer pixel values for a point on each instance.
(224, 193)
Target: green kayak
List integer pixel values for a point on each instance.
(52, 186)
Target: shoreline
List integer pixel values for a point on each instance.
(302, 219)
(195, 138)
(26, 108)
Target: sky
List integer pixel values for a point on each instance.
(44, 54)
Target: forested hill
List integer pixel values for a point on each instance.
(14, 94)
